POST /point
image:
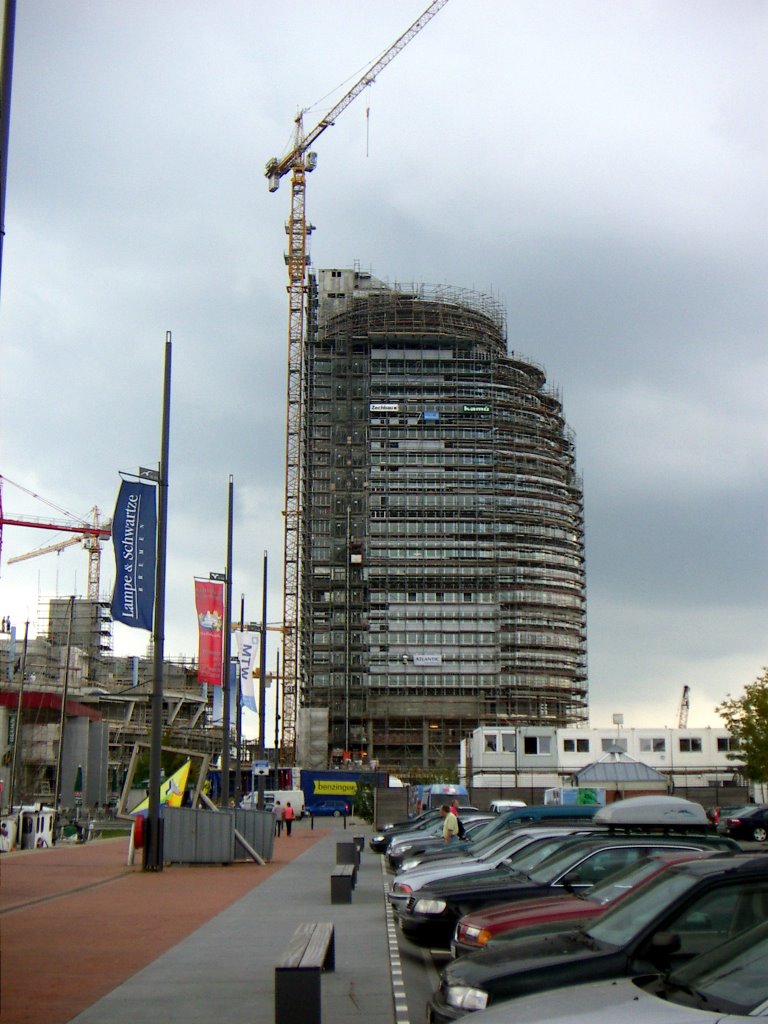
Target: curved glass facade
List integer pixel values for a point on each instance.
(442, 527)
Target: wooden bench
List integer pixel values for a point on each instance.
(342, 883)
(312, 949)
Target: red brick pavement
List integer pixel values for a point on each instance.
(77, 921)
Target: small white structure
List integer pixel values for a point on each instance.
(508, 757)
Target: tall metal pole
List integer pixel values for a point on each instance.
(17, 735)
(347, 638)
(239, 715)
(63, 716)
(6, 79)
(277, 715)
(263, 682)
(226, 660)
(153, 843)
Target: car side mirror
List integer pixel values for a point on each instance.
(571, 881)
(662, 947)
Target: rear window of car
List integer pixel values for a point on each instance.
(739, 812)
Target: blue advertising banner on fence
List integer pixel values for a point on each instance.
(134, 533)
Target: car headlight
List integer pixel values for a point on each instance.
(429, 906)
(378, 839)
(465, 998)
(397, 850)
(408, 865)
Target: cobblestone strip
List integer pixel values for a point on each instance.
(396, 970)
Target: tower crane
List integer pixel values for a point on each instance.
(89, 534)
(685, 706)
(299, 160)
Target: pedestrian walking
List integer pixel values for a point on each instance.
(462, 833)
(450, 824)
(277, 810)
(288, 816)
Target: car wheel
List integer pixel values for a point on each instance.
(337, 814)
(760, 833)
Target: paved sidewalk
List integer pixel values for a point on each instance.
(87, 939)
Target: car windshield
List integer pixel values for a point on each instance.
(609, 890)
(526, 860)
(730, 979)
(558, 861)
(622, 922)
(480, 847)
(739, 812)
(489, 831)
(499, 844)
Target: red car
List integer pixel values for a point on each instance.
(553, 912)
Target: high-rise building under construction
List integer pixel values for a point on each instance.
(442, 542)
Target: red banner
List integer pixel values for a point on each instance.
(209, 601)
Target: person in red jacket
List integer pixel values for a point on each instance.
(288, 816)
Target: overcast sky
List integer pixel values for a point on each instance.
(599, 167)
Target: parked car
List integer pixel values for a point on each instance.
(685, 911)
(410, 849)
(727, 984)
(327, 808)
(503, 824)
(379, 842)
(506, 920)
(750, 823)
(545, 813)
(432, 813)
(431, 914)
(515, 853)
(499, 806)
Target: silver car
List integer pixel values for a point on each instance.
(521, 850)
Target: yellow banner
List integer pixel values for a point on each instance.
(329, 787)
(171, 791)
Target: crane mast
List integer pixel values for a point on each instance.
(300, 161)
(685, 707)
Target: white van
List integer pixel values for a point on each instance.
(293, 796)
(499, 806)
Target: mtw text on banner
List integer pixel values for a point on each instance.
(248, 649)
(134, 537)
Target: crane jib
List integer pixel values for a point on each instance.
(276, 169)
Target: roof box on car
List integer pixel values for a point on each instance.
(673, 811)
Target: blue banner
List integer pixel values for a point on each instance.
(134, 537)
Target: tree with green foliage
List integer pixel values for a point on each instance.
(746, 719)
(364, 802)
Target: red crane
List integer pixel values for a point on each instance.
(90, 534)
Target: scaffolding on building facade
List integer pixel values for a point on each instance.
(442, 543)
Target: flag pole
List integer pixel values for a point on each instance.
(153, 841)
(226, 666)
(263, 682)
(239, 714)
